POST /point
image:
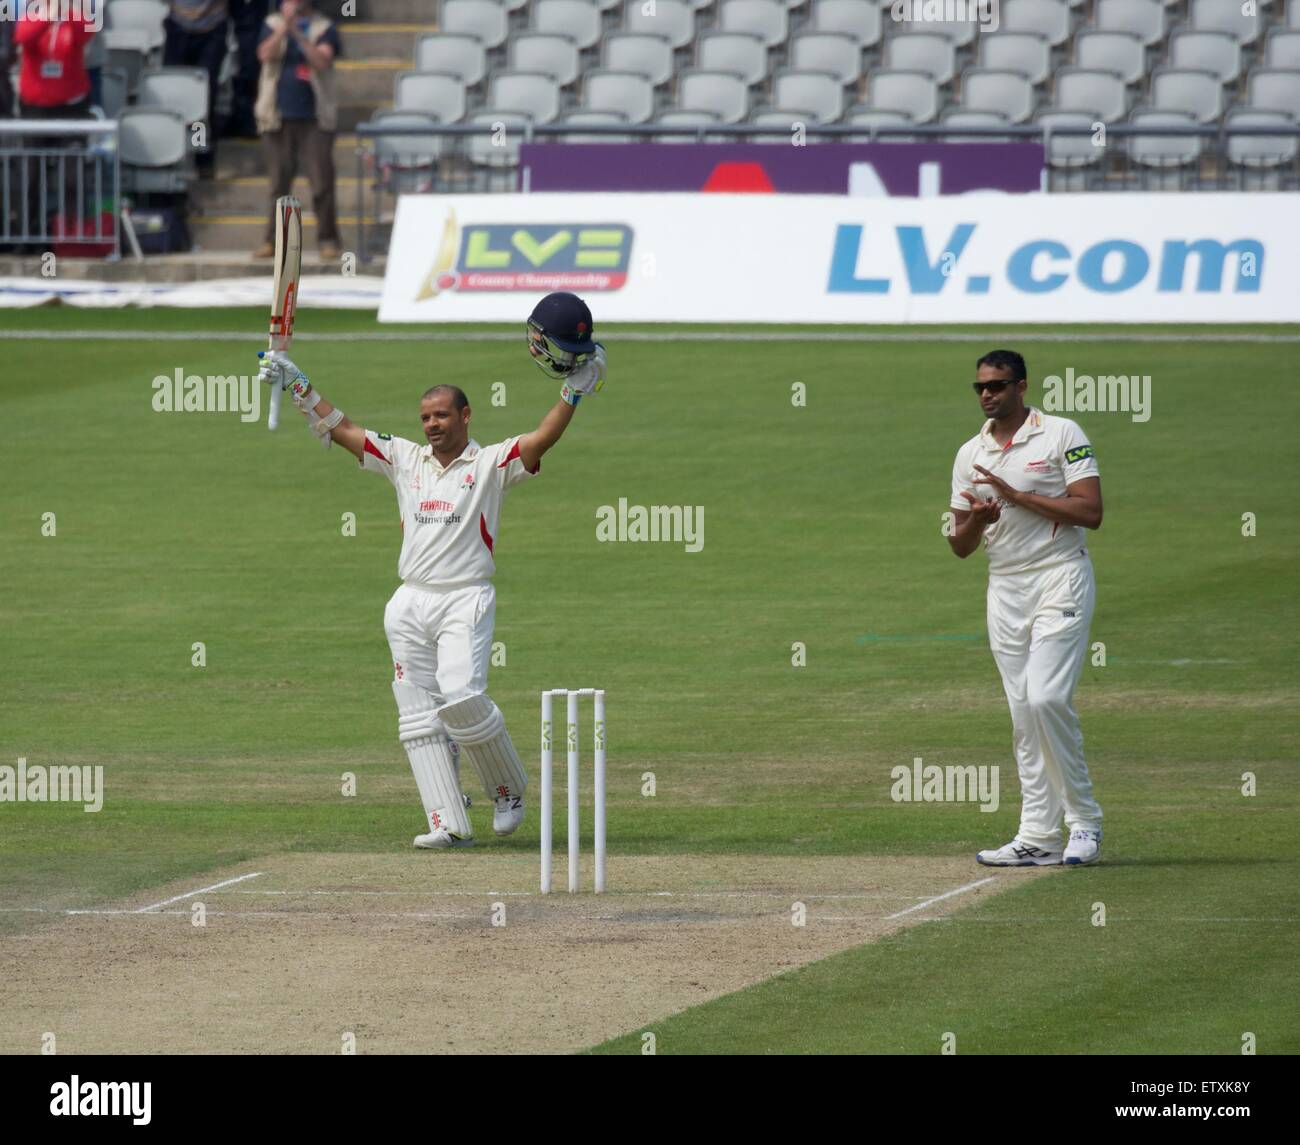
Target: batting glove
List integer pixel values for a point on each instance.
(587, 377)
(278, 370)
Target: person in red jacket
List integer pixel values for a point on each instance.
(53, 82)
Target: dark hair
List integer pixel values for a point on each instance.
(1005, 360)
(458, 398)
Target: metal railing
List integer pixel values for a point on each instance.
(60, 185)
(448, 160)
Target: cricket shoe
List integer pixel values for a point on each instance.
(507, 814)
(442, 840)
(1018, 854)
(1084, 847)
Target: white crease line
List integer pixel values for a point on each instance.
(191, 894)
(940, 898)
(782, 896)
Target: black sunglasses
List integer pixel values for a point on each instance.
(992, 387)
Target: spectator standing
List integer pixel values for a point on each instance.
(297, 113)
(246, 16)
(196, 38)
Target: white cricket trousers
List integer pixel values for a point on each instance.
(441, 639)
(1038, 631)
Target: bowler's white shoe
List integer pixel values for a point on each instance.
(507, 814)
(1018, 854)
(1083, 848)
(441, 840)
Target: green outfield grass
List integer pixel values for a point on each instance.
(822, 527)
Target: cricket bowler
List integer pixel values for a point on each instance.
(1043, 491)
(439, 621)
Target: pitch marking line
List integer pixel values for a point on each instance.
(940, 898)
(186, 895)
(655, 336)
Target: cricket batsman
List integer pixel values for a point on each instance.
(1043, 490)
(439, 621)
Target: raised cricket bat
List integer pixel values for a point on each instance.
(284, 288)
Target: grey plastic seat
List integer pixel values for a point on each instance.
(995, 89)
(534, 94)
(958, 118)
(1144, 18)
(1243, 22)
(961, 33)
(555, 56)
(766, 18)
(182, 89)
(577, 19)
(913, 93)
(673, 19)
(827, 52)
(724, 94)
(688, 121)
(781, 122)
(1282, 50)
(1119, 52)
(860, 20)
(1215, 52)
(583, 117)
(1196, 93)
(146, 16)
(1163, 150)
(1084, 89)
(1293, 15)
(650, 56)
(1025, 52)
(1047, 18)
(873, 119)
(436, 93)
(819, 93)
(486, 20)
(459, 55)
(1273, 89)
(629, 93)
(407, 164)
(128, 52)
(1260, 151)
(499, 148)
(113, 91)
(152, 147)
(927, 52)
(1069, 151)
(742, 53)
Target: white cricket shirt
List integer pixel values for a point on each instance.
(1046, 454)
(450, 516)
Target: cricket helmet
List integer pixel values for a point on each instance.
(560, 333)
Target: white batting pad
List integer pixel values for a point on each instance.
(476, 723)
(432, 762)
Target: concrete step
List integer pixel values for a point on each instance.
(248, 195)
(397, 11)
(369, 81)
(234, 233)
(236, 157)
(382, 41)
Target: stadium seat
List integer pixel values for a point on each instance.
(434, 93)
(859, 19)
(828, 52)
(182, 89)
(1163, 151)
(1272, 89)
(496, 149)
(741, 53)
(818, 93)
(724, 94)
(1282, 50)
(766, 18)
(1025, 52)
(1293, 15)
(960, 32)
(689, 121)
(782, 123)
(486, 20)
(1215, 52)
(1144, 18)
(585, 118)
(145, 16)
(128, 52)
(1069, 151)
(1047, 18)
(1101, 94)
(931, 53)
(650, 56)
(407, 163)
(628, 93)
(1261, 152)
(913, 93)
(873, 119)
(994, 89)
(113, 92)
(1242, 21)
(674, 19)
(534, 94)
(152, 146)
(577, 19)
(962, 119)
(459, 55)
(555, 56)
(1119, 52)
(1195, 93)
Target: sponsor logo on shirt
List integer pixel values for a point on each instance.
(437, 513)
(1036, 467)
(1079, 454)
